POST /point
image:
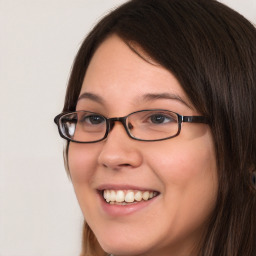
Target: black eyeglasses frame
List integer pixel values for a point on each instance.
(111, 121)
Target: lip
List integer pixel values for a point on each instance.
(123, 187)
(114, 210)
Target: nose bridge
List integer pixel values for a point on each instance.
(117, 152)
(111, 123)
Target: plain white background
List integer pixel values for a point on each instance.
(39, 214)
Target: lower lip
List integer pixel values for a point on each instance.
(116, 210)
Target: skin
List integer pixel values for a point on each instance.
(182, 169)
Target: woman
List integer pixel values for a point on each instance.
(160, 121)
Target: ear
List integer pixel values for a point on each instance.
(253, 175)
(254, 178)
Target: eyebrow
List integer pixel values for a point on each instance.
(170, 96)
(146, 97)
(91, 96)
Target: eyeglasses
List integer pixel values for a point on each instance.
(144, 125)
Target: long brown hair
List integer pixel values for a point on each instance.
(211, 50)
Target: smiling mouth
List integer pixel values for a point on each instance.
(125, 197)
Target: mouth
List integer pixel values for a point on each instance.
(127, 197)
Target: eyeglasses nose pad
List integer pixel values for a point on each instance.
(111, 124)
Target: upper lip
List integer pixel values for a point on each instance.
(123, 187)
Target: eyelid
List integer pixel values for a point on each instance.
(167, 115)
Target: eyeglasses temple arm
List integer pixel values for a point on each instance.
(56, 118)
(195, 119)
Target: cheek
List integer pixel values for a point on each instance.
(182, 165)
(82, 162)
(183, 161)
(82, 165)
(189, 177)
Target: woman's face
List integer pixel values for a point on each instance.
(180, 172)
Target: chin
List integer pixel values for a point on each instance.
(122, 246)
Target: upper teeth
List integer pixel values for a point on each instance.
(127, 196)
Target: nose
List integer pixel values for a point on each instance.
(119, 150)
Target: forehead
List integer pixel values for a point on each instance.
(119, 74)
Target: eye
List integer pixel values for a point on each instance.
(161, 119)
(92, 119)
(96, 119)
